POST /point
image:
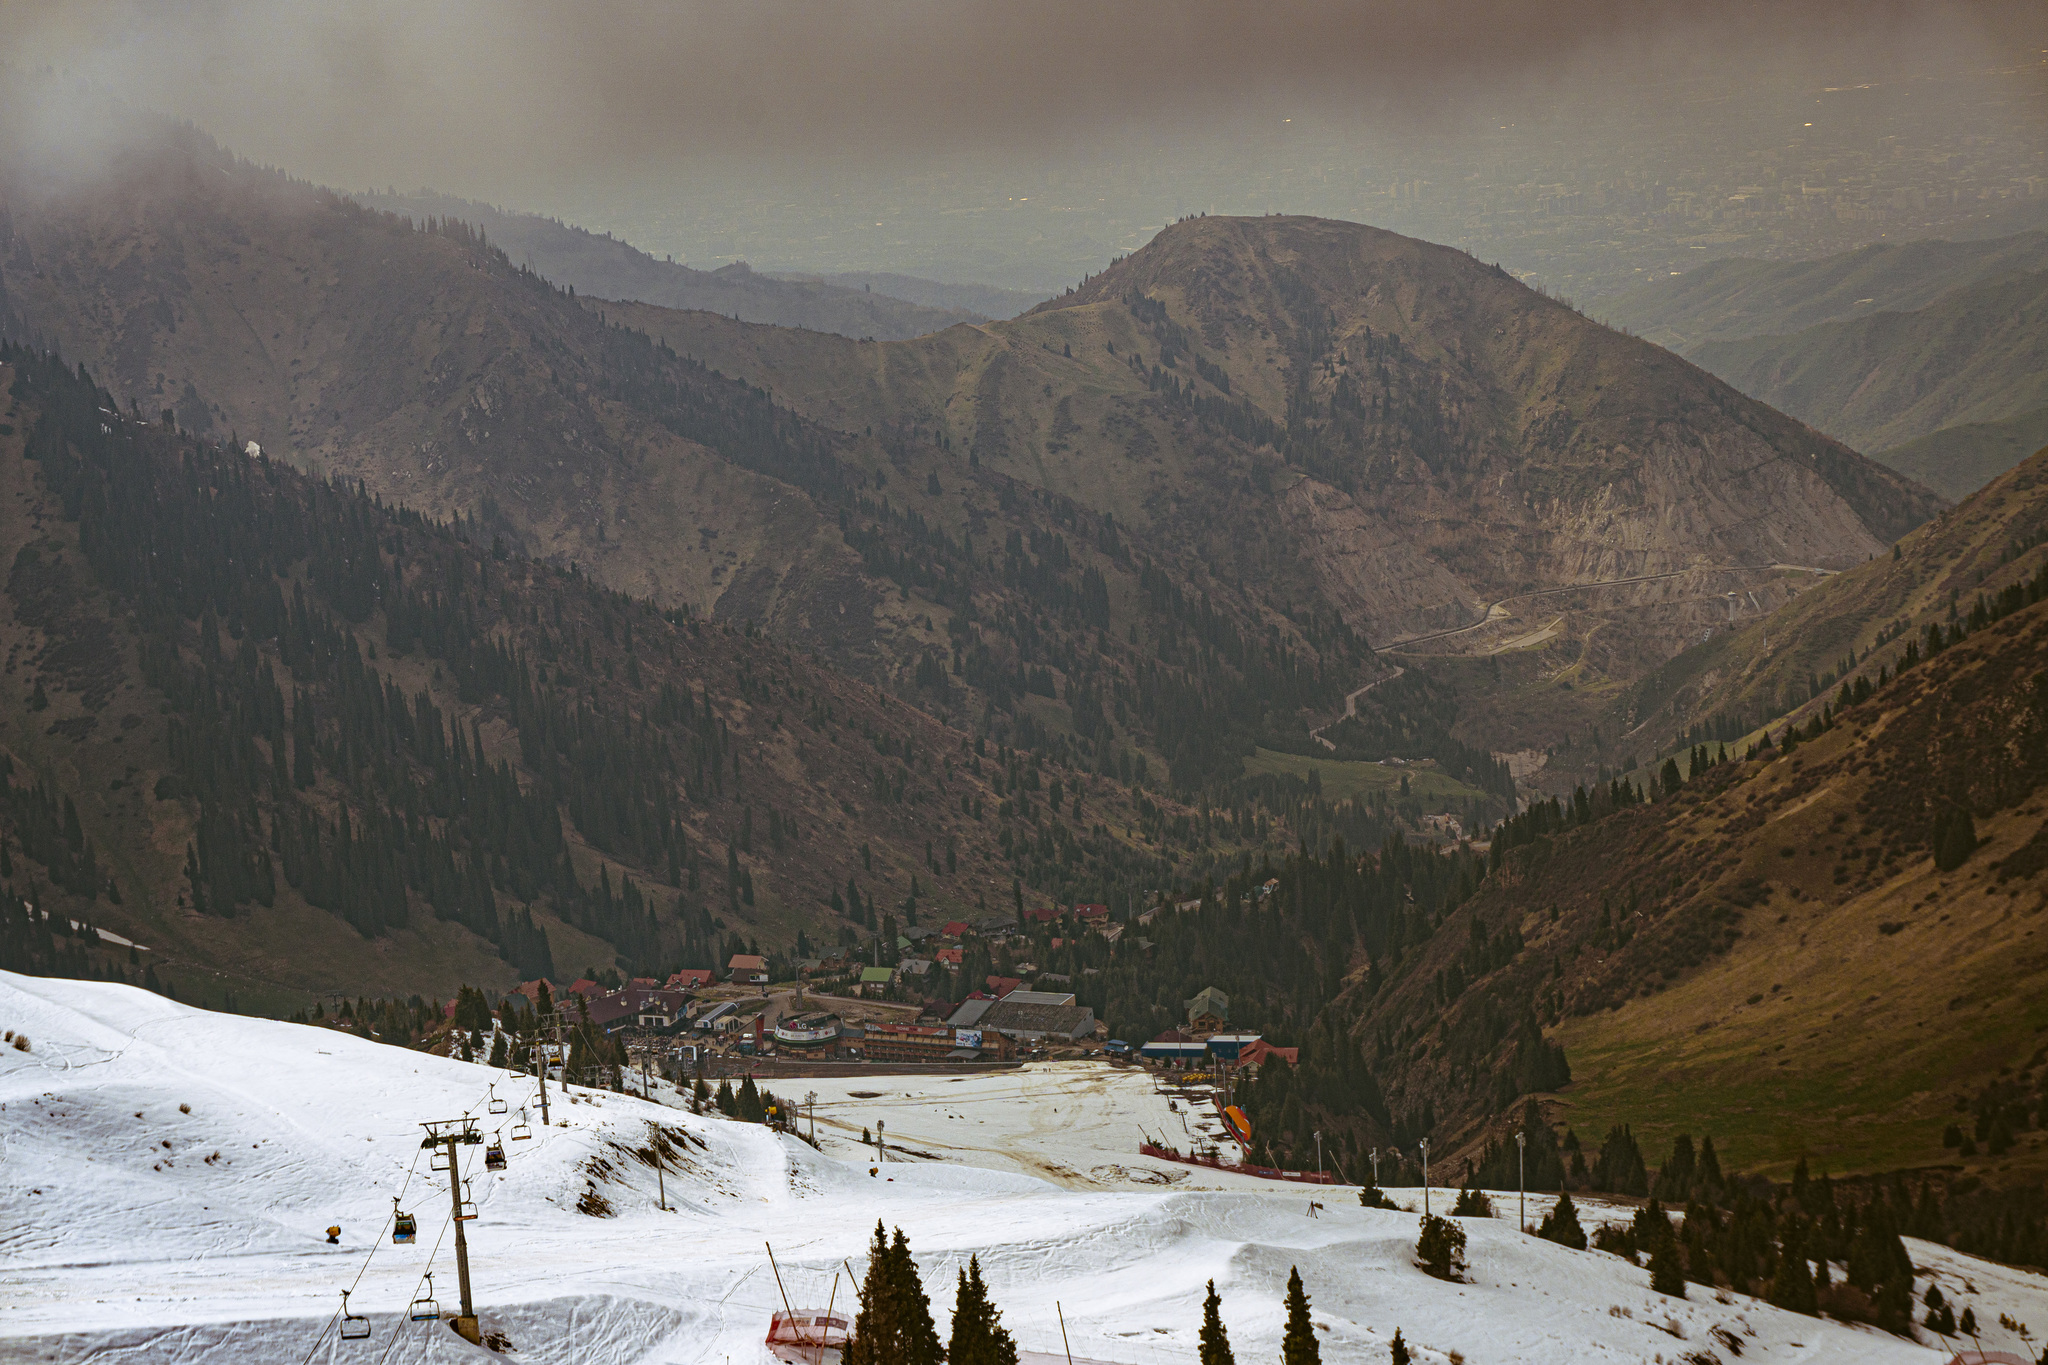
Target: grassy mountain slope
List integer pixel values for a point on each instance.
(1956, 461)
(1769, 953)
(600, 265)
(316, 743)
(1976, 354)
(1734, 298)
(1432, 434)
(1782, 662)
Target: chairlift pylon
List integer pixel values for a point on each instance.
(404, 1228)
(354, 1326)
(424, 1309)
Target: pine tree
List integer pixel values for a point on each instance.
(1298, 1345)
(1398, 1351)
(876, 1331)
(979, 1337)
(1666, 1277)
(1215, 1340)
(1561, 1225)
(1440, 1250)
(894, 1325)
(1792, 1287)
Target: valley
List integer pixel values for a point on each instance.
(1243, 764)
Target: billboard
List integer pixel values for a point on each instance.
(968, 1037)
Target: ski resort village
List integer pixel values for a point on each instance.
(187, 1186)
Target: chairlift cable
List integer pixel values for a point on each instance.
(445, 1225)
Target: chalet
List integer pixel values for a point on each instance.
(876, 980)
(956, 929)
(913, 966)
(1000, 986)
(951, 957)
(1092, 914)
(531, 989)
(691, 979)
(748, 969)
(1256, 1053)
(1208, 1011)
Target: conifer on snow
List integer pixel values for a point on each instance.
(1298, 1345)
(1215, 1340)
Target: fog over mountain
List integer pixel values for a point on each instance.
(1024, 147)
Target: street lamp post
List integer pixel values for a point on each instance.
(1423, 1147)
(1375, 1168)
(1319, 1151)
(1521, 1181)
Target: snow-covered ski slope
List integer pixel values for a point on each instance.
(132, 1230)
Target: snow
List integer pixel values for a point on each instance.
(132, 1230)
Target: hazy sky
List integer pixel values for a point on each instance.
(606, 112)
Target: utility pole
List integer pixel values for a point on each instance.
(1319, 1151)
(1424, 1145)
(1375, 1168)
(446, 1134)
(1521, 1182)
(811, 1107)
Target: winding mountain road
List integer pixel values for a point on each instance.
(1492, 607)
(1351, 707)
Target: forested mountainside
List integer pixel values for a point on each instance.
(602, 266)
(272, 725)
(1738, 297)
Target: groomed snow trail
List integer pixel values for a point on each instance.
(132, 1230)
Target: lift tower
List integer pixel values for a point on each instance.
(448, 1135)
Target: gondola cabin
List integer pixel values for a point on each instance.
(494, 1157)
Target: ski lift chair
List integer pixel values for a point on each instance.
(424, 1309)
(494, 1156)
(520, 1132)
(440, 1160)
(354, 1326)
(466, 1212)
(404, 1228)
(496, 1105)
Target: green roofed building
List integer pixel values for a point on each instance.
(1209, 1011)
